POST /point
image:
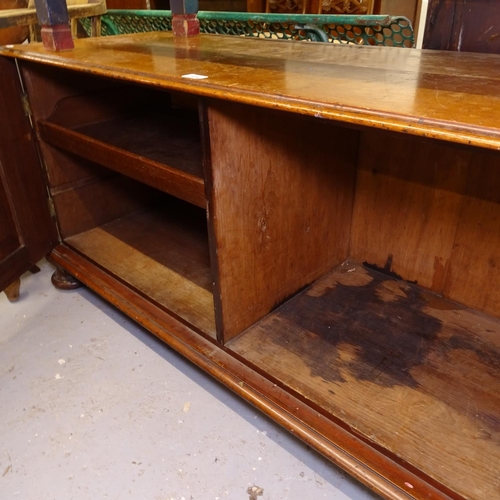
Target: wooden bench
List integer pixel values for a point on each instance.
(21, 17)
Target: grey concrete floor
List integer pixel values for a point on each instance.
(94, 407)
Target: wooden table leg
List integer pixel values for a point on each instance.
(53, 17)
(184, 20)
(12, 291)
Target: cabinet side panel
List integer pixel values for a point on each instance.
(475, 262)
(280, 206)
(93, 204)
(407, 205)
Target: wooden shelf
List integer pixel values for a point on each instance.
(417, 375)
(162, 255)
(161, 150)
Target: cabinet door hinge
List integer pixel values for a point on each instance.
(26, 104)
(27, 108)
(52, 208)
(24, 96)
(52, 212)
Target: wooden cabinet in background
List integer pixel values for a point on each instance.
(407, 8)
(138, 4)
(316, 226)
(466, 26)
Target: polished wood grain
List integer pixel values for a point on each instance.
(450, 96)
(409, 371)
(279, 209)
(162, 255)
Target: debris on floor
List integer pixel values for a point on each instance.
(254, 492)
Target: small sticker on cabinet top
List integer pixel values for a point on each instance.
(194, 76)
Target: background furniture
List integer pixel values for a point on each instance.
(27, 16)
(311, 6)
(360, 30)
(13, 34)
(463, 26)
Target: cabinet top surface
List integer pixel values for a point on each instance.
(445, 95)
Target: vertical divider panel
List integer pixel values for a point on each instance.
(280, 191)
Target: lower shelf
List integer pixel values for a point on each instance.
(412, 373)
(164, 257)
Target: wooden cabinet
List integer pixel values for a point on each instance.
(315, 226)
(463, 26)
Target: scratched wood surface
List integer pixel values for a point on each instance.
(163, 255)
(453, 96)
(408, 370)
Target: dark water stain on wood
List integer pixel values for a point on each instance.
(384, 270)
(368, 327)
(379, 341)
(434, 301)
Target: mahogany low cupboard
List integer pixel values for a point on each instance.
(317, 226)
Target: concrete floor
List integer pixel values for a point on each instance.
(94, 407)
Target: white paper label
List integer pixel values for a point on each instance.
(194, 76)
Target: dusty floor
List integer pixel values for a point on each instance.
(94, 407)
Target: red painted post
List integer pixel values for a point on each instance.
(184, 20)
(53, 18)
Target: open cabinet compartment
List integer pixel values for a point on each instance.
(125, 170)
(159, 250)
(149, 135)
(354, 274)
(401, 342)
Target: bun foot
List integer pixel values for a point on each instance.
(64, 281)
